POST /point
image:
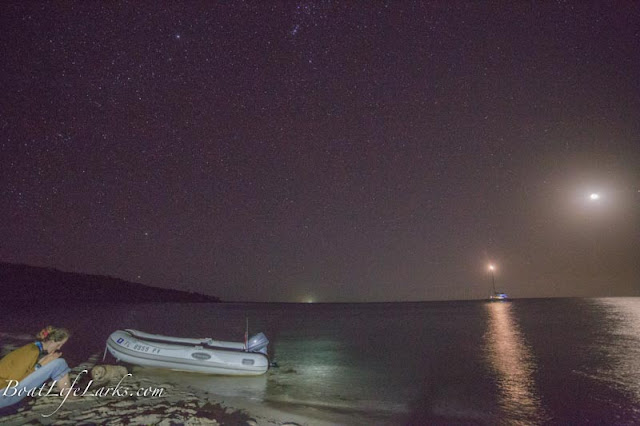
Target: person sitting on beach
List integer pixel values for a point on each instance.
(34, 364)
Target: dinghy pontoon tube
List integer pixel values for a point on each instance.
(184, 354)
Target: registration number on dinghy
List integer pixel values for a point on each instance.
(137, 347)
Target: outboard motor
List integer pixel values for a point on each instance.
(258, 343)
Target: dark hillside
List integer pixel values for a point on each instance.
(20, 284)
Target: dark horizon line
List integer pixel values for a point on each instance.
(197, 293)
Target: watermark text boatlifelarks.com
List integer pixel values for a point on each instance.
(120, 390)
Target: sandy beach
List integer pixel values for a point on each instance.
(140, 398)
(176, 405)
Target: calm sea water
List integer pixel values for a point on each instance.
(537, 361)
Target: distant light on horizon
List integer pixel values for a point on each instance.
(492, 267)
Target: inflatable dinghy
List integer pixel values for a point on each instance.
(185, 354)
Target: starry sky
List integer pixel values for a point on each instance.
(325, 151)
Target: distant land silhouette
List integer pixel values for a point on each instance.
(23, 284)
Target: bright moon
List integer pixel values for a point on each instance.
(594, 196)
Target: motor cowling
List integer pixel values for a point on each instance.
(258, 343)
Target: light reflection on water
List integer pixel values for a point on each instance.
(514, 365)
(624, 367)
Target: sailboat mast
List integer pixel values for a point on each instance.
(493, 278)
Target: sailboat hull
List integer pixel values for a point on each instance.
(498, 297)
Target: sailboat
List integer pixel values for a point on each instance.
(496, 296)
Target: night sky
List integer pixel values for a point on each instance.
(325, 151)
